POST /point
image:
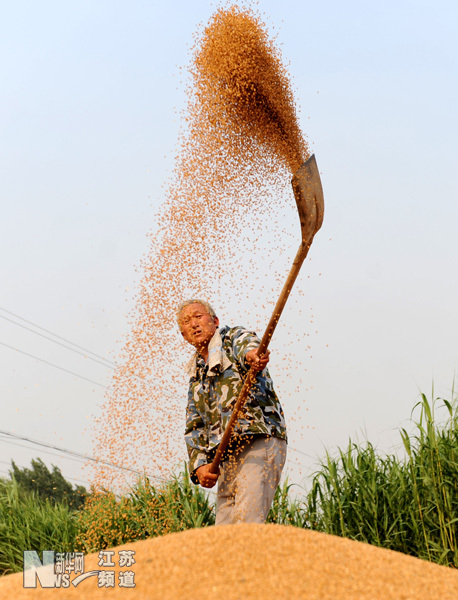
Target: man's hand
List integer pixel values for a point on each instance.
(206, 479)
(258, 363)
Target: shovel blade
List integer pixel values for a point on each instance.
(308, 192)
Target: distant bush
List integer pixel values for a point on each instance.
(48, 485)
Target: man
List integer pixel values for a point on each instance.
(252, 465)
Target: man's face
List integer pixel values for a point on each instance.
(197, 326)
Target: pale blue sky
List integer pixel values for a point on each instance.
(88, 113)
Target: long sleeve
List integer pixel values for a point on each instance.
(195, 438)
(242, 342)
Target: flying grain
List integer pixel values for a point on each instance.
(239, 146)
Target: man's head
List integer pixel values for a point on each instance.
(197, 322)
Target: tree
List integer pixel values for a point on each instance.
(48, 485)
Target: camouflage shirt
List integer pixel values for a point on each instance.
(213, 390)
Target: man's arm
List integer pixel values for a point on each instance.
(245, 345)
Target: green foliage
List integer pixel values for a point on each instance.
(48, 485)
(147, 511)
(408, 505)
(285, 509)
(27, 522)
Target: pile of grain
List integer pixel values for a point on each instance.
(235, 157)
(249, 562)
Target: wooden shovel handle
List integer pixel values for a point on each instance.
(308, 192)
(251, 376)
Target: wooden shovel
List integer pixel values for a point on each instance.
(308, 192)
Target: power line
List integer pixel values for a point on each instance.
(43, 451)
(55, 341)
(107, 387)
(57, 336)
(300, 452)
(142, 379)
(112, 365)
(83, 457)
(54, 365)
(72, 453)
(80, 457)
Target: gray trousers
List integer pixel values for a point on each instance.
(248, 480)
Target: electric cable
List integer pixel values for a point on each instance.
(54, 365)
(112, 365)
(56, 335)
(2, 439)
(54, 341)
(78, 455)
